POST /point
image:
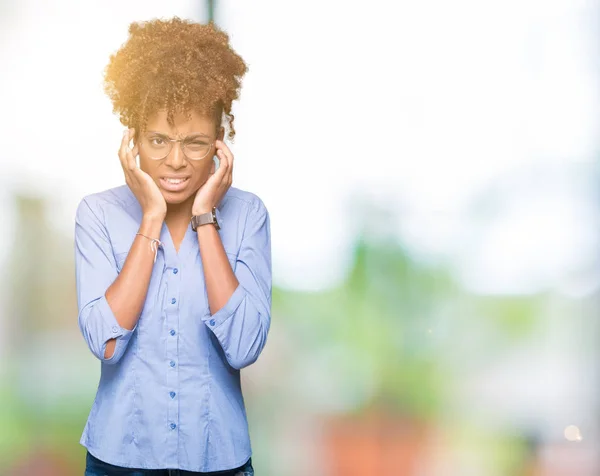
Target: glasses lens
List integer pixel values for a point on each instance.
(197, 147)
(156, 146)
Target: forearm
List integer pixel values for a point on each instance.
(239, 294)
(220, 279)
(127, 294)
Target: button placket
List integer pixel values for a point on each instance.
(170, 326)
(171, 306)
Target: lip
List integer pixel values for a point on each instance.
(174, 187)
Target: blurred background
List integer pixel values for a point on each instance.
(434, 312)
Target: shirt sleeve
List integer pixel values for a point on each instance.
(242, 325)
(95, 270)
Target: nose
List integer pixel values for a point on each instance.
(176, 159)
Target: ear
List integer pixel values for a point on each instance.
(221, 134)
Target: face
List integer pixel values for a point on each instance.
(178, 177)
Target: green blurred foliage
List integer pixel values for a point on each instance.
(381, 340)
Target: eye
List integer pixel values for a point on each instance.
(197, 144)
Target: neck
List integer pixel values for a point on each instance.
(179, 213)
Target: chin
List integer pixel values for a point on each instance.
(175, 198)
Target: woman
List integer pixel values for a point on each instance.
(173, 268)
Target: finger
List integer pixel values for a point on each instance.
(225, 149)
(228, 178)
(224, 165)
(125, 153)
(131, 153)
(122, 149)
(223, 160)
(230, 157)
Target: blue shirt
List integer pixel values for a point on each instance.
(170, 395)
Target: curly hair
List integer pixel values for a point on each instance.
(175, 65)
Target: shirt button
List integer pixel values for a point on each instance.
(115, 329)
(212, 322)
(172, 363)
(173, 426)
(172, 332)
(173, 301)
(172, 394)
(175, 270)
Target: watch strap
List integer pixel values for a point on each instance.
(205, 219)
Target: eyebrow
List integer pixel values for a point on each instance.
(191, 134)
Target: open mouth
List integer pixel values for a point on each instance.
(174, 184)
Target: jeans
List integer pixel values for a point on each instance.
(95, 467)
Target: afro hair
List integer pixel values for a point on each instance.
(175, 65)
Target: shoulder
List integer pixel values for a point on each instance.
(242, 214)
(96, 208)
(98, 203)
(242, 203)
(238, 198)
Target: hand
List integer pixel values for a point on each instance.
(141, 184)
(211, 193)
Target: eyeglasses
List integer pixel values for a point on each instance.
(196, 146)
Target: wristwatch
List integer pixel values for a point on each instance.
(205, 219)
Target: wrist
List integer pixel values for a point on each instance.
(200, 209)
(204, 218)
(153, 216)
(151, 225)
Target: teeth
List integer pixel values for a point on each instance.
(174, 181)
